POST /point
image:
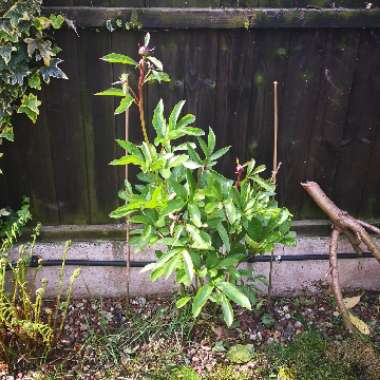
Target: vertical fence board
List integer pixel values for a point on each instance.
(39, 169)
(336, 86)
(98, 122)
(302, 86)
(271, 54)
(235, 56)
(200, 76)
(14, 162)
(370, 200)
(68, 138)
(360, 131)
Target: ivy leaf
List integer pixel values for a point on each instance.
(56, 21)
(124, 104)
(29, 106)
(41, 23)
(53, 71)
(19, 76)
(6, 53)
(42, 48)
(119, 58)
(34, 81)
(109, 26)
(7, 134)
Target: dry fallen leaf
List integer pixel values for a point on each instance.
(351, 302)
(359, 324)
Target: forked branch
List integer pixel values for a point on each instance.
(353, 228)
(356, 232)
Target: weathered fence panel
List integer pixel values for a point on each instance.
(327, 65)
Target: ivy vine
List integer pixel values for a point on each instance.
(28, 57)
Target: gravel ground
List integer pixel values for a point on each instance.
(108, 339)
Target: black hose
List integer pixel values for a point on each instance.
(140, 264)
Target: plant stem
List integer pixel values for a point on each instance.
(275, 132)
(140, 104)
(128, 248)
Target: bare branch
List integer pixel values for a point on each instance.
(369, 227)
(335, 279)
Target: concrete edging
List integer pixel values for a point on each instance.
(106, 243)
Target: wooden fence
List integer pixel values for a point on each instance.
(223, 61)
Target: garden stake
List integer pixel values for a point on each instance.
(353, 229)
(127, 225)
(274, 173)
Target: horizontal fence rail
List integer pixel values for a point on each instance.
(226, 18)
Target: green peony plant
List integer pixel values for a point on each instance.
(205, 224)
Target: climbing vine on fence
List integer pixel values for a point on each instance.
(28, 57)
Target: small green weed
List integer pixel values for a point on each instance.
(228, 372)
(184, 373)
(311, 357)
